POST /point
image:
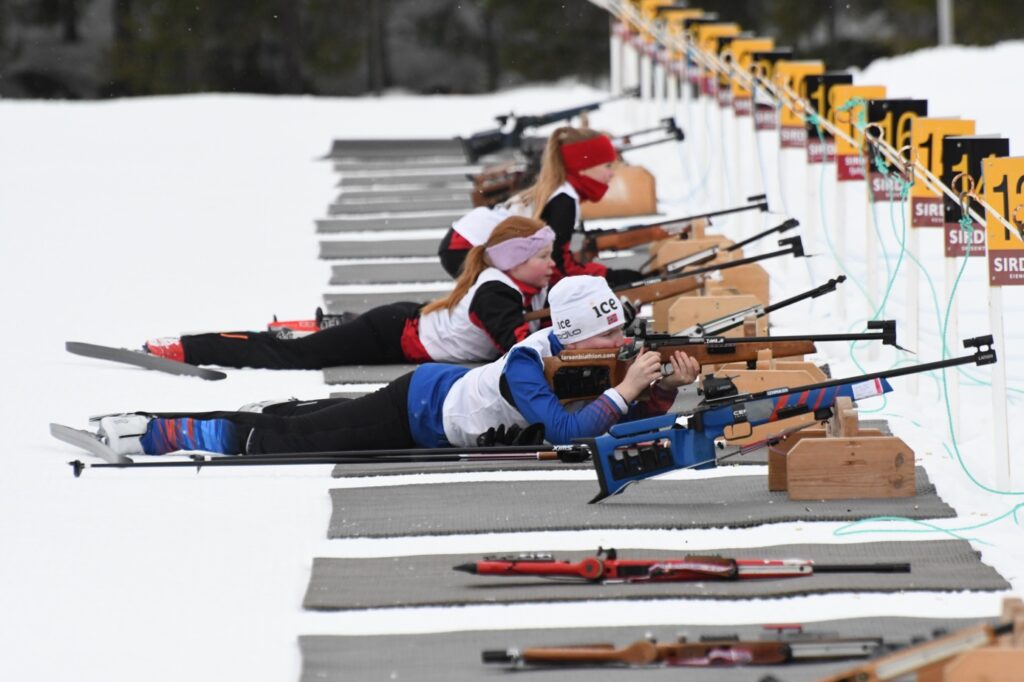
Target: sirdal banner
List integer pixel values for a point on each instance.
(892, 119)
(849, 108)
(1004, 192)
(789, 76)
(821, 146)
(963, 156)
(926, 135)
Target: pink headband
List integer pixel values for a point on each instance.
(512, 252)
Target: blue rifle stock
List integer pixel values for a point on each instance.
(633, 451)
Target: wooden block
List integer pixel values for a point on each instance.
(777, 456)
(668, 250)
(631, 192)
(986, 664)
(685, 311)
(850, 468)
(750, 279)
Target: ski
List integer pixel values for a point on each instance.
(88, 441)
(142, 359)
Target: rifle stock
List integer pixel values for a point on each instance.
(661, 289)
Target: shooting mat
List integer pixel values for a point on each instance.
(521, 506)
(455, 656)
(400, 271)
(424, 221)
(936, 565)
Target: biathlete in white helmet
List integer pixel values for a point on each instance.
(576, 166)
(505, 278)
(437, 405)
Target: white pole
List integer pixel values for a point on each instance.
(659, 89)
(1002, 469)
(871, 250)
(615, 54)
(944, 9)
(952, 333)
(912, 276)
(838, 232)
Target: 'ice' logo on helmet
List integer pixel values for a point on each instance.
(605, 307)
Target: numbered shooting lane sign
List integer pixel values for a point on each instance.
(790, 76)
(1004, 192)
(926, 135)
(649, 11)
(722, 46)
(743, 50)
(762, 66)
(893, 118)
(694, 69)
(674, 18)
(963, 154)
(849, 113)
(707, 36)
(821, 147)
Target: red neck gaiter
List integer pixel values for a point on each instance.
(578, 156)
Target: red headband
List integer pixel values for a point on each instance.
(585, 154)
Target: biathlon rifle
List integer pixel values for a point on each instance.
(633, 451)
(734, 319)
(585, 374)
(606, 566)
(614, 239)
(709, 254)
(574, 453)
(721, 650)
(651, 289)
(492, 141)
(902, 663)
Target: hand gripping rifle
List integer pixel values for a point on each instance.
(615, 239)
(491, 141)
(582, 374)
(633, 451)
(606, 566)
(719, 650)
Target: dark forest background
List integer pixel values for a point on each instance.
(114, 48)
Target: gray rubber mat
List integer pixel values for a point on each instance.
(435, 178)
(399, 148)
(400, 205)
(455, 656)
(379, 249)
(359, 303)
(428, 220)
(389, 194)
(522, 506)
(370, 374)
(936, 565)
(401, 469)
(356, 273)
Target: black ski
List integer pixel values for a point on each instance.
(88, 441)
(142, 359)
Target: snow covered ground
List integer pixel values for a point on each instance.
(124, 220)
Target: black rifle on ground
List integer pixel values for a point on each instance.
(491, 141)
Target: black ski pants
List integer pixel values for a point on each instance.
(373, 338)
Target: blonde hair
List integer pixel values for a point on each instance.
(477, 261)
(552, 168)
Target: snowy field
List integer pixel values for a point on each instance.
(124, 220)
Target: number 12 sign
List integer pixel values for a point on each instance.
(1004, 192)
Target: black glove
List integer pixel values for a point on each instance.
(513, 435)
